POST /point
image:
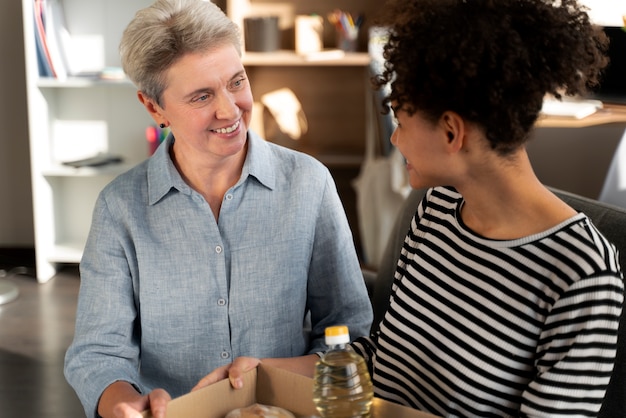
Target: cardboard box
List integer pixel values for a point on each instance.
(270, 386)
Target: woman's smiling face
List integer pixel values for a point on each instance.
(208, 102)
(419, 141)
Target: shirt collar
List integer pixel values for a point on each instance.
(163, 176)
(261, 162)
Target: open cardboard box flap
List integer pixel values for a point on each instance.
(270, 386)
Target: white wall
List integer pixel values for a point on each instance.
(606, 12)
(16, 215)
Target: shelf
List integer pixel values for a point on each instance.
(608, 114)
(285, 58)
(282, 58)
(66, 171)
(82, 82)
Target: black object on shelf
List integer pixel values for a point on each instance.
(262, 34)
(97, 160)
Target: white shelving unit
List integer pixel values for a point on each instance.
(76, 117)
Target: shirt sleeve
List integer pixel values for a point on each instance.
(366, 348)
(105, 347)
(336, 289)
(576, 351)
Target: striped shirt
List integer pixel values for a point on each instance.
(497, 328)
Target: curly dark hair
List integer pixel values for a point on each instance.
(491, 61)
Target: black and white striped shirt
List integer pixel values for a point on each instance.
(487, 328)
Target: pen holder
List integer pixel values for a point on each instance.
(347, 29)
(347, 42)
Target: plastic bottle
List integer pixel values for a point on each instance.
(342, 387)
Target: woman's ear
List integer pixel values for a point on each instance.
(454, 126)
(152, 107)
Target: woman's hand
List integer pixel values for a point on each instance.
(304, 365)
(233, 372)
(121, 400)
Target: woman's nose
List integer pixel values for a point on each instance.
(393, 138)
(226, 107)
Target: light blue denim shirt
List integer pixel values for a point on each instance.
(168, 294)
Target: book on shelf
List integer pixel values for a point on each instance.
(43, 63)
(46, 68)
(58, 38)
(52, 39)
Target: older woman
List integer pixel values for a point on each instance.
(218, 246)
(505, 301)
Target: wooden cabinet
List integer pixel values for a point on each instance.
(334, 96)
(337, 102)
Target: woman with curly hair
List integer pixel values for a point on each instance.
(505, 301)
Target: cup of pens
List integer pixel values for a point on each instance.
(347, 29)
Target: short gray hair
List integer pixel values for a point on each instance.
(162, 33)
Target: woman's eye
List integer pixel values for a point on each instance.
(238, 83)
(200, 99)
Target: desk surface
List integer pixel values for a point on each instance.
(608, 114)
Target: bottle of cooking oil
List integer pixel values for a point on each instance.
(342, 387)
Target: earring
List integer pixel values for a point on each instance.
(162, 125)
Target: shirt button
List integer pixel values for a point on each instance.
(218, 249)
(229, 197)
(221, 301)
(225, 354)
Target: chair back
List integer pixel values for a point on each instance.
(611, 221)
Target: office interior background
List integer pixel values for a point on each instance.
(16, 214)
